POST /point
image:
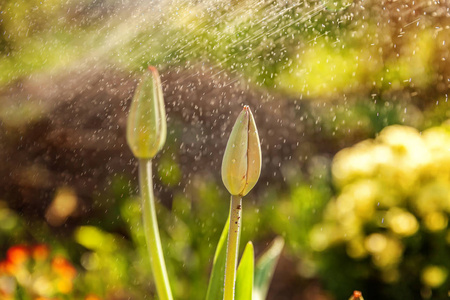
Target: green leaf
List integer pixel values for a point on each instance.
(244, 276)
(216, 280)
(94, 238)
(265, 266)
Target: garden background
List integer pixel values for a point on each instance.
(351, 102)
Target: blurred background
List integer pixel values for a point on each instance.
(351, 102)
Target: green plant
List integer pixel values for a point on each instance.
(241, 167)
(146, 134)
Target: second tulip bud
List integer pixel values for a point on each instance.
(241, 164)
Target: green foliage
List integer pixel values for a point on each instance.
(252, 282)
(169, 170)
(10, 224)
(337, 4)
(265, 267)
(216, 280)
(188, 232)
(245, 274)
(317, 49)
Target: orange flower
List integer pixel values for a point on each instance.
(40, 252)
(63, 268)
(7, 267)
(6, 296)
(18, 254)
(92, 297)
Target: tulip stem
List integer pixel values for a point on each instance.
(232, 247)
(151, 230)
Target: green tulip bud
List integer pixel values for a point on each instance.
(241, 164)
(146, 126)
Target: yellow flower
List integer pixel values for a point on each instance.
(402, 222)
(434, 276)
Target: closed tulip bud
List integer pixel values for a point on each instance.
(241, 164)
(146, 127)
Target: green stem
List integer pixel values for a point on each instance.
(151, 230)
(232, 247)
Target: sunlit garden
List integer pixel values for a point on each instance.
(224, 150)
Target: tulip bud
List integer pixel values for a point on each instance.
(241, 164)
(146, 127)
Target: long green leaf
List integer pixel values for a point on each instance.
(265, 266)
(216, 280)
(244, 276)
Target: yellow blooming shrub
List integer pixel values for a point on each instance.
(389, 219)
